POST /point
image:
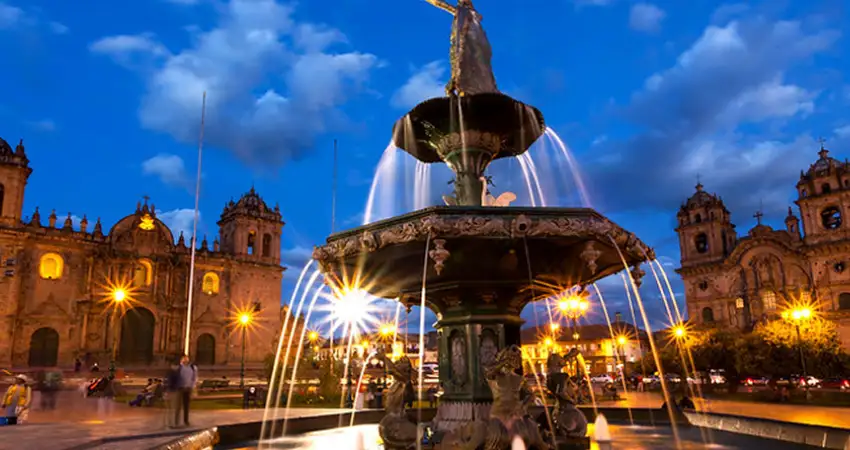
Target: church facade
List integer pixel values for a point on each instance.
(56, 283)
(736, 281)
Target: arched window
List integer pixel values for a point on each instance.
(844, 301)
(825, 189)
(768, 299)
(142, 273)
(831, 218)
(252, 242)
(804, 193)
(707, 315)
(698, 218)
(701, 243)
(50, 266)
(267, 244)
(211, 283)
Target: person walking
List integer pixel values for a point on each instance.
(186, 379)
(16, 401)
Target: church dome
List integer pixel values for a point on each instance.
(5, 148)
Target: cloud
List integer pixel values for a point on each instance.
(273, 84)
(580, 3)
(718, 111)
(180, 220)
(124, 48)
(427, 82)
(646, 17)
(43, 125)
(843, 131)
(10, 15)
(58, 28)
(599, 140)
(169, 168)
(296, 256)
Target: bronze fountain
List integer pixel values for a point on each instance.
(481, 262)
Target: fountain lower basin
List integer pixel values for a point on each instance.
(365, 437)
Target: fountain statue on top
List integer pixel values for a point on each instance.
(484, 257)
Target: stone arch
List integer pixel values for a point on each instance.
(205, 350)
(707, 315)
(267, 244)
(211, 283)
(51, 266)
(142, 273)
(137, 334)
(844, 301)
(44, 348)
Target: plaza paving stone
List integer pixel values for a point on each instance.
(77, 421)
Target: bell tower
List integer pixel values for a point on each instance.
(250, 230)
(823, 195)
(706, 233)
(14, 172)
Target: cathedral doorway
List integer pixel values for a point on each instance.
(205, 352)
(137, 332)
(44, 348)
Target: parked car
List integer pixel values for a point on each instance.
(604, 378)
(836, 383)
(754, 381)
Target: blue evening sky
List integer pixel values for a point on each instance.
(107, 96)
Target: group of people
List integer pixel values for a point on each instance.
(178, 386)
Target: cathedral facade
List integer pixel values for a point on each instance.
(57, 281)
(737, 281)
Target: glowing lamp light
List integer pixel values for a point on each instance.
(313, 336)
(621, 340)
(244, 319)
(547, 342)
(554, 326)
(119, 295)
(679, 331)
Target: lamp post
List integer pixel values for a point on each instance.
(116, 299)
(245, 320)
(798, 316)
(574, 307)
(621, 351)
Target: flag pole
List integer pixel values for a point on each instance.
(333, 191)
(195, 229)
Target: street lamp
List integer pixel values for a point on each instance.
(117, 297)
(621, 351)
(244, 320)
(797, 316)
(574, 307)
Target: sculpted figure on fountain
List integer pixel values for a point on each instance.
(396, 430)
(509, 416)
(569, 422)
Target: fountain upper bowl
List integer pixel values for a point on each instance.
(480, 250)
(496, 122)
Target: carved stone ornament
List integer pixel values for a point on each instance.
(464, 225)
(452, 142)
(637, 275)
(589, 255)
(439, 255)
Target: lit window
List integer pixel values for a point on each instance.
(211, 283)
(143, 273)
(739, 303)
(769, 300)
(805, 297)
(51, 266)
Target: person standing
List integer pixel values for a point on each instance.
(17, 400)
(187, 378)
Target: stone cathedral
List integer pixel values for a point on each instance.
(736, 281)
(54, 278)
